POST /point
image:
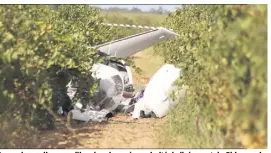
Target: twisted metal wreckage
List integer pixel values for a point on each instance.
(115, 77)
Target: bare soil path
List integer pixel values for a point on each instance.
(120, 132)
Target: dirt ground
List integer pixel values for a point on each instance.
(119, 132)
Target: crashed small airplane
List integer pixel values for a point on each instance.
(115, 77)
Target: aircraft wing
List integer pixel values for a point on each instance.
(128, 46)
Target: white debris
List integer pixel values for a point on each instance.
(70, 90)
(90, 115)
(60, 110)
(156, 95)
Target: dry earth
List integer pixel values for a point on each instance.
(120, 132)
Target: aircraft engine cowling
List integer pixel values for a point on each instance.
(111, 87)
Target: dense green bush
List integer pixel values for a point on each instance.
(39, 50)
(223, 52)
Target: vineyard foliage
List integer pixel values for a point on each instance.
(223, 52)
(40, 50)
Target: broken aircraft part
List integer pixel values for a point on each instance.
(156, 97)
(91, 115)
(115, 79)
(128, 46)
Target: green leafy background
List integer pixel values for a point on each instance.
(222, 50)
